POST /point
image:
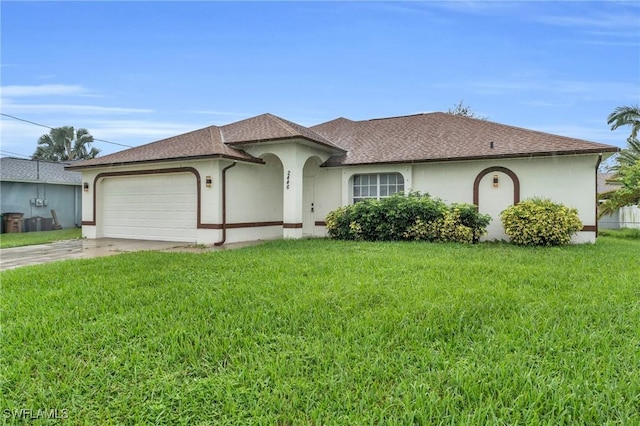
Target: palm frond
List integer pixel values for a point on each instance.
(625, 116)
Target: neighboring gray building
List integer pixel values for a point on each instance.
(35, 187)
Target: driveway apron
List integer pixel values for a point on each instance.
(79, 249)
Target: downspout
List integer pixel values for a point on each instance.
(597, 202)
(75, 206)
(224, 204)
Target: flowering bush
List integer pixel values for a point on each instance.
(540, 222)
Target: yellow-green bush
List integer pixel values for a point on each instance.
(540, 222)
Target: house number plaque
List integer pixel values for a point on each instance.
(288, 178)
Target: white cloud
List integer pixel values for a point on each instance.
(140, 129)
(11, 108)
(614, 21)
(42, 90)
(583, 90)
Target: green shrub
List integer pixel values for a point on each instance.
(460, 223)
(411, 217)
(540, 222)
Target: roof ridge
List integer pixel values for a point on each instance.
(213, 144)
(283, 123)
(401, 116)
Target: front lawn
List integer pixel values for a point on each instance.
(329, 332)
(42, 237)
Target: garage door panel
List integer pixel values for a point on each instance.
(153, 207)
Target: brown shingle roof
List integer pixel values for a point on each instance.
(414, 138)
(441, 137)
(268, 127)
(213, 141)
(197, 144)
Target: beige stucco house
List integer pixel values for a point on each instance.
(266, 177)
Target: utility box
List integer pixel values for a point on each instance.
(13, 222)
(37, 223)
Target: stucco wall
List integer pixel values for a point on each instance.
(569, 180)
(254, 195)
(274, 192)
(64, 199)
(210, 196)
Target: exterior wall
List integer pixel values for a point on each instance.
(209, 196)
(569, 180)
(328, 196)
(254, 196)
(64, 199)
(294, 156)
(263, 198)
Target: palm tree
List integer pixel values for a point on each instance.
(626, 116)
(65, 143)
(626, 162)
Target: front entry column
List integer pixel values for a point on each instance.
(293, 163)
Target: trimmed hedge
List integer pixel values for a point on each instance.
(411, 217)
(540, 222)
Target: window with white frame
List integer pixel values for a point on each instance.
(376, 185)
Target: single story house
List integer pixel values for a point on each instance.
(625, 217)
(35, 187)
(266, 177)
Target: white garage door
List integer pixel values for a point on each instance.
(150, 207)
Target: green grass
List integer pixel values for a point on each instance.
(328, 332)
(629, 233)
(43, 237)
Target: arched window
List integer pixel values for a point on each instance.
(376, 185)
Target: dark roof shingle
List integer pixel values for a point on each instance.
(413, 138)
(441, 137)
(23, 170)
(268, 127)
(200, 143)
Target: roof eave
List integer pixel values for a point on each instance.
(334, 148)
(164, 160)
(48, 182)
(483, 157)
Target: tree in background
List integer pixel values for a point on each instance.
(628, 177)
(64, 144)
(627, 116)
(627, 165)
(465, 111)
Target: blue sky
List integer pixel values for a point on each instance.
(136, 72)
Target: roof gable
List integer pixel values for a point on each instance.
(268, 127)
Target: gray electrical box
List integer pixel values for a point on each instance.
(39, 202)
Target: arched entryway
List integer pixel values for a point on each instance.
(270, 188)
(494, 190)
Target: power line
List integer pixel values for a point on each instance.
(49, 127)
(15, 153)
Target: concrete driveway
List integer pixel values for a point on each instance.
(81, 249)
